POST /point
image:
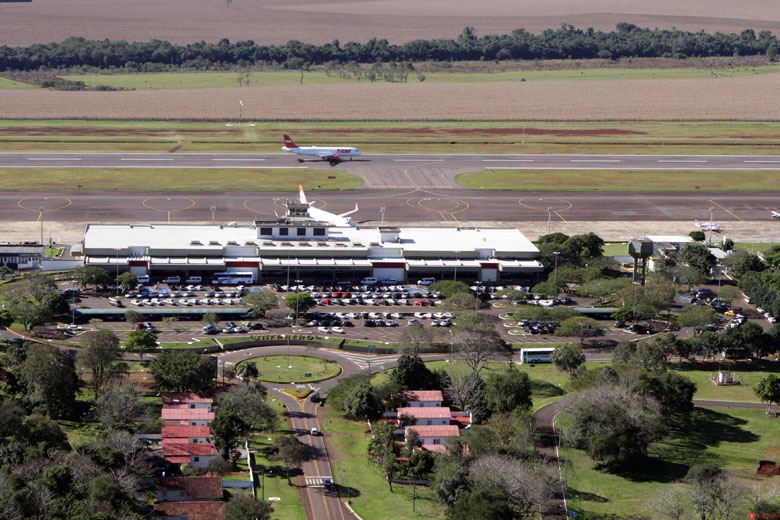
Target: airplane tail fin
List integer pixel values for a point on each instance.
(288, 142)
(301, 195)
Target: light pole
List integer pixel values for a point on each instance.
(476, 299)
(382, 211)
(710, 239)
(295, 323)
(549, 219)
(213, 210)
(555, 270)
(116, 280)
(455, 276)
(41, 208)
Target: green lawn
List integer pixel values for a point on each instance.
(363, 482)
(616, 249)
(275, 368)
(749, 373)
(619, 180)
(6, 83)
(735, 439)
(757, 247)
(187, 80)
(276, 179)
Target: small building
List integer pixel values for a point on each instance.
(186, 417)
(185, 489)
(195, 455)
(194, 510)
(427, 415)
(418, 398)
(21, 256)
(186, 400)
(433, 437)
(187, 434)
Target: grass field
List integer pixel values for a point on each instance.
(620, 180)
(188, 80)
(758, 247)
(6, 83)
(363, 482)
(749, 373)
(276, 179)
(394, 136)
(275, 368)
(735, 439)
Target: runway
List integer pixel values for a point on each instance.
(395, 170)
(411, 188)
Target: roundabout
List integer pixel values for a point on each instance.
(291, 370)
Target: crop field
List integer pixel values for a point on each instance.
(277, 179)
(188, 80)
(319, 21)
(389, 137)
(739, 98)
(620, 180)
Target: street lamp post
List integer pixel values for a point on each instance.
(41, 208)
(116, 280)
(555, 270)
(382, 211)
(549, 219)
(710, 239)
(295, 323)
(476, 299)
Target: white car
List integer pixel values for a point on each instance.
(338, 330)
(324, 330)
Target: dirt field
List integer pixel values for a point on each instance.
(319, 21)
(744, 98)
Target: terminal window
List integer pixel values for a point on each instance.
(301, 232)
(266, 231)
(319, 232)
(283, 231)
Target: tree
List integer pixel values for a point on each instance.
(244, 507)
(450, 479)
(100, 355)
(210, 318)
(414, 338)
(568, 358)
(4, 270)
(580, 327)
(698, 257)
(228, 429)
(509, 390)
(6, 319)
(54, 303)
(247, 371)
(36, 285)
(362, 403)
(134, 317)
(29, 313)
(449, 288)
(219, 466)
(768, 390)
(291, 452)
(118, 406)
(140, 340)
(182, 372)
(612, 424)
(128, 281)
(674, 392)
(382, 449)
(89, 275)
(299, 302)
(552, 238)
(249, 403)
(105, 488)
(48, 375)
(697, 235)
(583, 247)
(260, 302)
(696, 316)
(410, 373)
(479, 345)
(743, 262)
(652, 356)
(480, 504)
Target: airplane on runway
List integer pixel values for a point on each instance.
(707, 225)
(775, 214)
(332, 155)
(341, 219)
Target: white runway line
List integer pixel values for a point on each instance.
(594, 160)
(769, 162)
(507, 160)
(418, 160)
(54, 158)
(138, 159)
(680, 161)
(238, 159)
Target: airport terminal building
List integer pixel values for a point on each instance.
(300, 246)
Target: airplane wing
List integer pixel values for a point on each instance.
(775, 214)
(349, 212)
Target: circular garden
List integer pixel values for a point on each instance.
(301, 369)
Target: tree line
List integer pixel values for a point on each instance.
(567, 42)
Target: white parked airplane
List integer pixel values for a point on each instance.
(341, 219)
(775, 214)
(332, 155)
(707, 225)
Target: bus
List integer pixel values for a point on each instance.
(236, 278)
(535, 355)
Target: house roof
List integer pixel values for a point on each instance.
(184, 432)
(435, 431)
(179, 449)
(195, 510)
(424, 395)
(172, 398)
(438, 448)
(426, 412)
(187, 413)
(197, 488)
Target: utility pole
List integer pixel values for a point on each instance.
(476, 299)
(382, 211)
(41, 208)
(555, 270)
(213, 214)
(710, 240)
(549, 219)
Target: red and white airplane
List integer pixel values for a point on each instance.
(341, 219)
(332, 155)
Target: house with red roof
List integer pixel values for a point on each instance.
(195, 455)
(180, 489)
(187, 434)
(186, 416)
(193, 510)
(433, 438)
(427, 415)
(415, 398)
(186, 400)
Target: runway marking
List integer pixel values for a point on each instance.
(168, 211)
(507, 160)
(680, 161)
(54, 158)
(595, 160)
(418, 160)
(733, 214)
(147, 159)
(20, 203)
(238, 159)
(542, 199)
(767, 162)
(561, 216)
